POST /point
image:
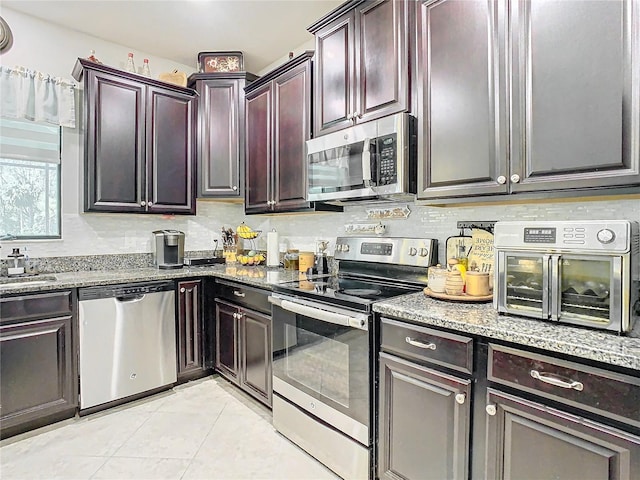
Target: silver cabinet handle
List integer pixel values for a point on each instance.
(239, 294)
(235, 187)
(143, 203)
(237, 316)
(515, 178)
(558, 382)
(491, 409)
(350, 116)
(460, 398)
(150, 203)
(415, 343)
(501, 179)
(182, 290)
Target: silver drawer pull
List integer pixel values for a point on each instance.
(558, 382)
(415, 343)
(239, 294)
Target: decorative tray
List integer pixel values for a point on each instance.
(457, 298)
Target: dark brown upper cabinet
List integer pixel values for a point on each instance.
(278, 125)
(139, 142)
(362, 63)
(522, 97)
(220, 134)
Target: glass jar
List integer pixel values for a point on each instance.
(291, 259)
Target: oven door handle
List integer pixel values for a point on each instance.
(319, 314)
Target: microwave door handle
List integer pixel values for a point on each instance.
(366, 162)
(555, 274)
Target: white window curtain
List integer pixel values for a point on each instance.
(36, 96)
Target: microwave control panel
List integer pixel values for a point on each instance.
(387, 159)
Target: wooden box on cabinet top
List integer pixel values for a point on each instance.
(139, 142)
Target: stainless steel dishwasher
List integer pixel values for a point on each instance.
(127, 340)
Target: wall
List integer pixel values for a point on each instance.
(42, 46)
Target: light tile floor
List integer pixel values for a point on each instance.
(205, 429)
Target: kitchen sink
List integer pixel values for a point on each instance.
(26, 281)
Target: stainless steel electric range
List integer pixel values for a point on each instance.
(325, 340)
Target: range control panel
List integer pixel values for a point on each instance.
(419, 252)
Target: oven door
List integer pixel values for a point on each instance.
(523, 280)
(588, 290)
(322, 364)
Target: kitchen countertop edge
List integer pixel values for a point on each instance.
(483, 320)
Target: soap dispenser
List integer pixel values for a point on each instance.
(17, 259)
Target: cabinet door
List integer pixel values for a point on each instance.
(291, 129)
(190, 358)
(424, 422)
(576, 110)
(461, 99)
(256, 355)
(258, 150)
(335, 80)
(170, 151)
(227, 341)
(220, 133)
(36, 371)
(382, 58)
(525, 437)
(114, 143)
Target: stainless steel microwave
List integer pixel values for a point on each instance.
(577, 272)
(376, 159)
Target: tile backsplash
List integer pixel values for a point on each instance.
(99, 234)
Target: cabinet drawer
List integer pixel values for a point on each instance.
(606, 393)
(427, 345)
(33, 306)
(253, 298)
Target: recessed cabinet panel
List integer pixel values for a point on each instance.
(291, 130)
(258, 153)
(459, 74)
(171, 125)
(221, 138)
(190, 329)
(116, 143)
(227, 341)
(335, 76)
(382, 58)
(574, 93)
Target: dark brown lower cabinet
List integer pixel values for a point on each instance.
(243, 349)
(190, 329)
(528, 440)
(38, 383)
(424, 422)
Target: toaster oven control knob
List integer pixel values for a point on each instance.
(413, 251)
(345, 248)
(424, 252)
(605, 236)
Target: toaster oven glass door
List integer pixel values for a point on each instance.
(524, 278)
(589, 289)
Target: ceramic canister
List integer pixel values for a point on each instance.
(478, 284)
(454, 284)
(305, 261)
(436, 278)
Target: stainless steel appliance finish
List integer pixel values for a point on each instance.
(127, 340)
(168, 248)
(377, 159)
(324, 373)
(579, 272)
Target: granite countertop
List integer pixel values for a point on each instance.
(482, 319)
(257, 276)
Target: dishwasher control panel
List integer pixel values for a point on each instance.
(124, 290)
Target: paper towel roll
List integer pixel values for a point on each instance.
(273, 252)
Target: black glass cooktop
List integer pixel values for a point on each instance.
(351, 292)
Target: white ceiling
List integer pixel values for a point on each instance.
(264, 30)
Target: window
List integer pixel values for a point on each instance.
(29, 179)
